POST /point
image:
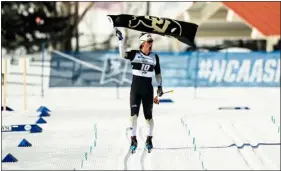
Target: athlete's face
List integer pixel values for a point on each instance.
(148, 44)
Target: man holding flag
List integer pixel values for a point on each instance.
(144, 63)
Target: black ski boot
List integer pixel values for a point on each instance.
(134, 144)
(148, 144)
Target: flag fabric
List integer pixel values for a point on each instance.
(183, 31)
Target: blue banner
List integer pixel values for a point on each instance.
(195, 69)
(239, 69)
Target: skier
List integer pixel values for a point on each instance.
(143, 62)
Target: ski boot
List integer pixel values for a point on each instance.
(134, 144)
(148, 144)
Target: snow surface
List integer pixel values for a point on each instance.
(70, 141)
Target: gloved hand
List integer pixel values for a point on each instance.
(159, 91)
(119, 34)
(156, 100)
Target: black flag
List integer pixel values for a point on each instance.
(183, 31)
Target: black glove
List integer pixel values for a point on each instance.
(159, 91)
(119, 34)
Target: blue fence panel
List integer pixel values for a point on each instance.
(189, 69)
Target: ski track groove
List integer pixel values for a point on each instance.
(246, 162)
(247, 140)
(261, 157)
(127, 156)
(143, 155)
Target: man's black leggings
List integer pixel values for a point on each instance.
(140, 94)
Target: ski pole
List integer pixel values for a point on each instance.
(170, 91)
(156, 100)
